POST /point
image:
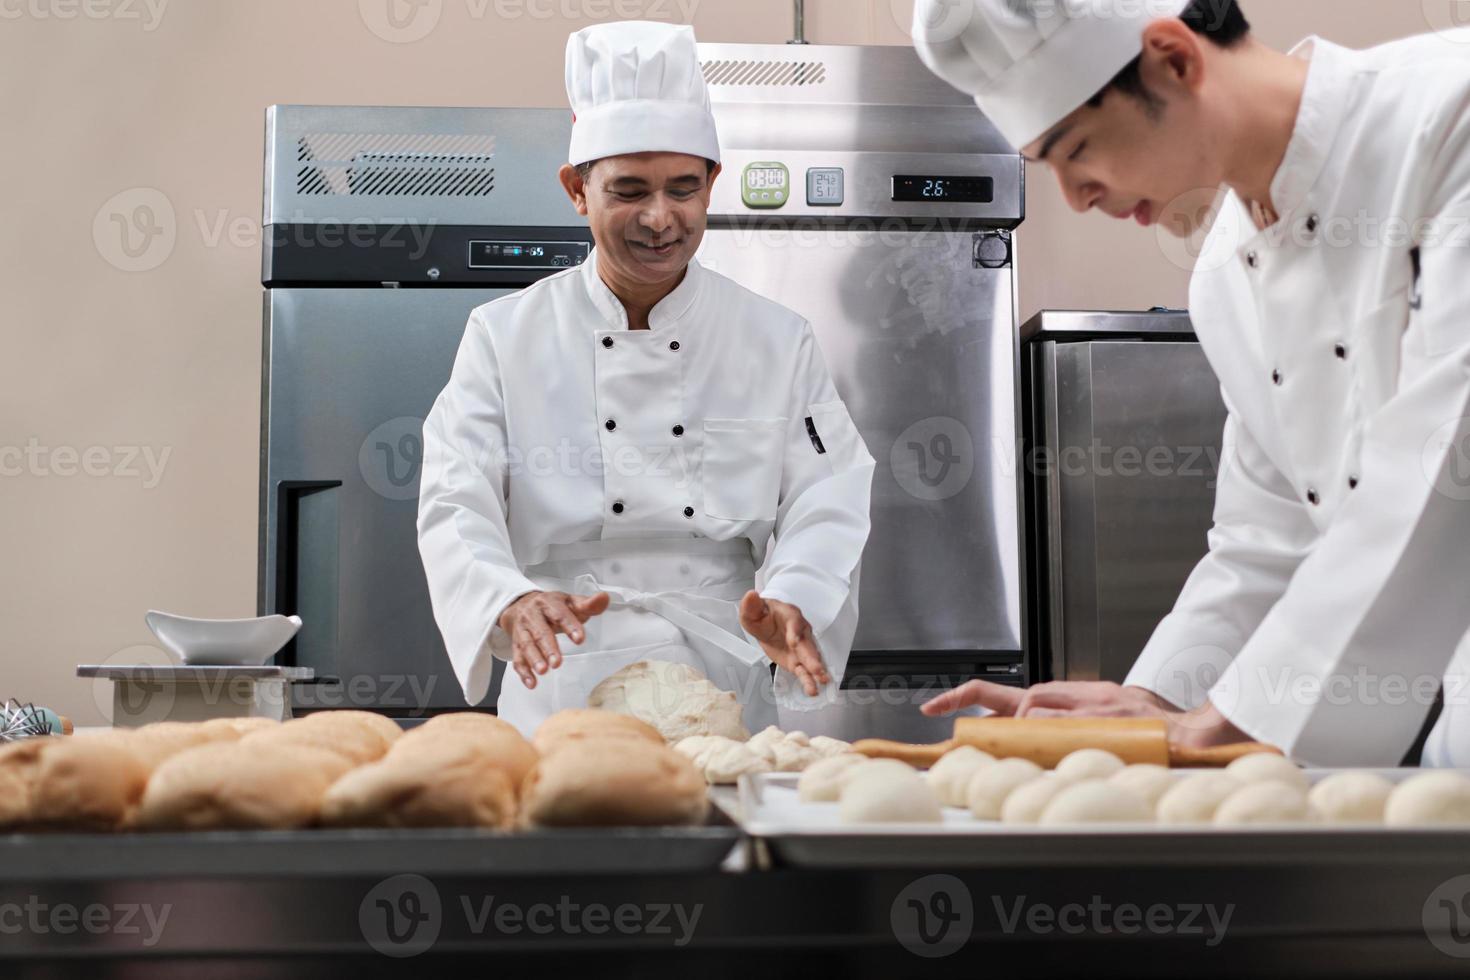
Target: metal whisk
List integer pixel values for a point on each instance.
(18, 721)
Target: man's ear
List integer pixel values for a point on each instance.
(1173, 57)
(576, 188)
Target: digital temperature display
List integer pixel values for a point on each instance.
(527, 255)
(956, 190)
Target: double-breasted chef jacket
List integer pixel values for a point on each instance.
(1337, 584)
(674, 467)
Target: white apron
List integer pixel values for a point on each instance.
(673, 599)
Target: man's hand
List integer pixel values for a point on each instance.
(786, 637)
(533, 621)
(1204, 726)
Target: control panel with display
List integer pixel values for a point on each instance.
(935, 189)
(824, 186)
(765, 185)
(527, 255)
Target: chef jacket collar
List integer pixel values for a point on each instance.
(1324, 104)
(666, 311)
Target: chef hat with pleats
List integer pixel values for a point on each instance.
(1030, 63)
(636, 87)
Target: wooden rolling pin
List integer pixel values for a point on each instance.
(1046, 741)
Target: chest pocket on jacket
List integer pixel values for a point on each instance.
(742, 467)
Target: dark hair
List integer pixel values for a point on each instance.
(1221, 21)
(584, 170)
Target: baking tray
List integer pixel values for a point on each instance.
(796, 834)
(331, 853)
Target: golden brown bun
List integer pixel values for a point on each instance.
(345, 732)
(577, 724)
(475, 720)
(504, 748)
(69, 783)
(164, 739)
(240, 726)
(442, 783)
(232, 785)
(617, 783)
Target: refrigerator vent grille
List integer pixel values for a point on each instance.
(395, 164)
(764, 72)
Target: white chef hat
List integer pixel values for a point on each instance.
(1030, 63)
(636, 87)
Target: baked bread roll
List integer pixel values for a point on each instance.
(359, 737)
(240, 786)
(161, 740)
(239, 726)
(614, 783)
(436, 783)
(674, 698)
(69, 783)
(465, 720)
(579, 725)
(499, 746)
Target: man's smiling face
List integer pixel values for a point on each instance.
(647, 212)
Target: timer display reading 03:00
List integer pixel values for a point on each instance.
(961, 190)
(765, 178)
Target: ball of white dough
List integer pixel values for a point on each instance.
(872, 765)
(1260, 767)
(990, 786)
(950, 776)
(888, 796)
(826, 746)
(1147, 780)
(1429, 798)
(1195, 798)
(1351, 797)
(1267, 801)
(1025, 803)
(821, 782)
(1089, 764)
(1096, 801)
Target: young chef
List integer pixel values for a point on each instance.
(618, 444)
(1335, 309)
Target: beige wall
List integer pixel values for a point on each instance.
(115, 103)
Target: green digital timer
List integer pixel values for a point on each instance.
(765, 185)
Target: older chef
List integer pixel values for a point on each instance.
(1333, 300)
(638, 458)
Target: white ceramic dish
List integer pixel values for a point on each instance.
(222, 642)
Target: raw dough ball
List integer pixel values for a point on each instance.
(674, 698)
(1146, 779)
(438, 783)
(821, 782)
(951, 775)
(1351, 797)
(783, 751)
(827, 747)
(761, 741)
(1429, 798)
(1089, 764)
(614, 783)
(1267, 801)
(873, 765)
(1096, 801)
(1027, 802)
(1195, 798)
(575, 727)
(990, 786)
(888, 795)
(719, 759)
(1265, 766)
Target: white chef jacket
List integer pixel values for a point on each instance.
(662, 465)
(1337, 583)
